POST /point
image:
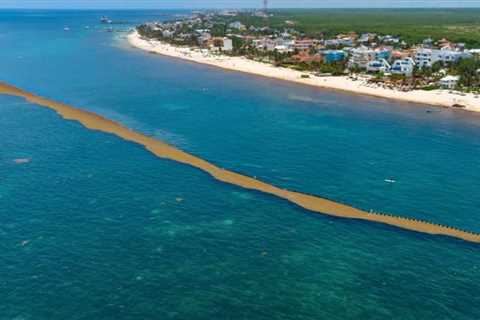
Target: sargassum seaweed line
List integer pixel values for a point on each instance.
(310, 202)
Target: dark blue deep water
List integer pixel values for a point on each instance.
(94, 227)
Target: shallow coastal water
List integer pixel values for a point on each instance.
(94, 226)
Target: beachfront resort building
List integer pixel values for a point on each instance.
(378, 66)
(449, 82)
(403, 67)
(360, 57)
(304, 44)
(383, 53)
(264, 44)
(331, 56)
(227, 45)
(279, 44)
(426, 57)
(220, 44)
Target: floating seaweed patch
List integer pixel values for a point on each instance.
(163, 150)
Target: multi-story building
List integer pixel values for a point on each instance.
(427, 57)
(330, 56)
(403, 67)
(360, 57)
(220, 44)
(380, 65)
(279, 44)
(304, 44)
(449, 82)
(383, 53)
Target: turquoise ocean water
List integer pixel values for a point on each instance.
(94, 227)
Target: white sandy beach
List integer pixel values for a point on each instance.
(442, 98)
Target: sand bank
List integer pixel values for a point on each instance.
(441, 98)
(162, 150)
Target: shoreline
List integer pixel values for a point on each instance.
(439, 98)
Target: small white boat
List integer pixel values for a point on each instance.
(390, 180)
(66, 29)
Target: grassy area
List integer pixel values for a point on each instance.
(413, 25)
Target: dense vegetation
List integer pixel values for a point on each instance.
(413, 25)
(147, 32)
(469, 72)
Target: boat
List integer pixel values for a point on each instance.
(390, 180)
(66, 29)
(105, 19)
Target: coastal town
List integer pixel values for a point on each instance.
(240, 160)
(383, 59)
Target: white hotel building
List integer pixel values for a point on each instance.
(427, 57)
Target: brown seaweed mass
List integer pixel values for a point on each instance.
(312, 203)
